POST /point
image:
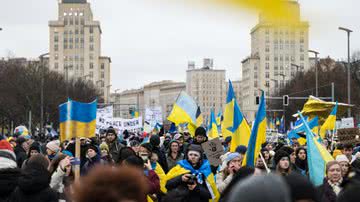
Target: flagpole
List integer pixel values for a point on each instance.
(263, 160)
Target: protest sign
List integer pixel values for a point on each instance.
(213, 150)
(104, 117)
(153, 116)
(131, 125)
(347, 123)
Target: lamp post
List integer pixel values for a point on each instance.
(316, 71)
(42, 91)
(348, 31)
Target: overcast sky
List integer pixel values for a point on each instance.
(152, 40)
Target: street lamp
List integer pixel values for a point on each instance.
(316, 71)
(42, 91)
(348, 31)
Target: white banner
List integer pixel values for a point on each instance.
(131, 125)
(347, 123)
(103, 118)
(153, 115)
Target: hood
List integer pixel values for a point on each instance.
(9, 180)
(34, 178)
(273, 189)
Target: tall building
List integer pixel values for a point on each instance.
(207, 86)
(75, 45)
(157, 94)
(278, 50)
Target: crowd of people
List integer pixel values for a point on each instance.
(168, 167)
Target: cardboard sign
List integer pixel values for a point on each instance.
(348, 135)
(213, 150)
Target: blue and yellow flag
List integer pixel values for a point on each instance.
(229, 112)
(184, 110)
(330, 122)
(258, 135)
(199, 117)
(241, 130)
(300, 128)
(213, 129)
(77, 119)
(317, 156)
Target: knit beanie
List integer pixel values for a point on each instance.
(93, 147)
(200, 131)
(53, 146)
(241, 149)
(35, 146)
(279, 155)
(147, 146)
(7, 155)
(194, 147)
(155, 140)
(342, 158)
(287, 149)
(104, 146)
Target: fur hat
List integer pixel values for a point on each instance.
(279, 155)
(7, 155)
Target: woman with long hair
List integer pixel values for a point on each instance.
(282, 163)
(174, 155)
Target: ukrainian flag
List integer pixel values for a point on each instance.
(199, 117)
(213, 130)
(184, 110)
(240, 129)
(229, 112)
(184, 167)
(317, 156)
(330, 122)
(258, 135)
(77, 119)
(313, 125)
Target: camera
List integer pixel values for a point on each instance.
(192, 179)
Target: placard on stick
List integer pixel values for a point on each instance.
(213, 150)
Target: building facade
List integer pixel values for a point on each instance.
(157, 94)
(75, 45)
(206, 86)
(279, 49)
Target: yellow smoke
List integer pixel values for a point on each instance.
(271, 10)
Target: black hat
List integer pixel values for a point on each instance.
(200, 131)
(110, 130)
(147, 146)
(287, 149)
(279, 155)
(93, 147)
(155, 140)
(134, 160)
(20, 140)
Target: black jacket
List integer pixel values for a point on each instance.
(20, 155)
(178, 191)
(326, 193)
(33, 185)
(114, 148)
(8, 183)
(162, 158)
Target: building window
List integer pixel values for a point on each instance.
(91, 38)
(65, 21)
(76, 21)
(302, 40)
(281, 67)
(267, 75)
(70, 40)
(56, 56)
(56, 65)
(70, 46)
(255, 84)
(302, 57)
(301, 48)
(91, 47)
(56, 38)
(82, 21)
(102, 66)
(71, 21)
(255, 67)
(276, 67)
(292, 58)
(276, 58)
(91, 65)
(82, 31)
(56, 47)
(267, 49)
(76, 31)
(267, 65)
(82, 40)
(286, 58)
(267, 84)
(267, 57)
(292, 74)
(91, 30)
(91, 56)
(91, 74)
(281, 58)
(102, 75)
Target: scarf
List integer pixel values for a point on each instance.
(203, 171)
(335, 186)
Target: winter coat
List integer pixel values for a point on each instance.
(57, 179)
(90, 163)
(172, 162)
(223, 181)
(153, 182)
(199, 194)
(8, 183)
(326, 193)
(33, 185)
(20, 155)
(114, 148)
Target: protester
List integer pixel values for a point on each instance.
(52, 149)
(105, 183)
(282, 163)
(155, 143)
(345, 165)
(191, 178)
(21, 149)
(33, 150)
(348, 151)
(9, 173)
(200, 136)
(113, 143)
(266, 155)
(105, 154)
(224, 177)
(301, 189)
(301, 161)
(92, 158)
(33, 184)
(330, 188)
(174, 155)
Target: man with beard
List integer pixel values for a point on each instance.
(113, 143)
